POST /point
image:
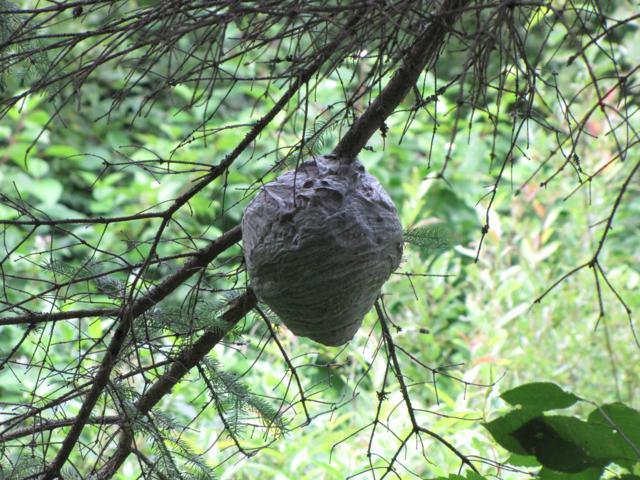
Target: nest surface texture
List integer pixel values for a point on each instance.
(319, 243)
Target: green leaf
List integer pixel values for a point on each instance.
(561, 443)
(598, 440)
(623, 424)
(39, 118)
(502, 429)
(47, 190)
(5, 132)
(540, 396)
(593, 473)
(470, 476)
(332, 382)
(117, 139)
(523, 460)
(17, 153)
(61, 151)
(58, 211)
(38, 167)
(551, 448)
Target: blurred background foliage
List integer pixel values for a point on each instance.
(475, 324)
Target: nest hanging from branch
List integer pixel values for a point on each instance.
(319, 243)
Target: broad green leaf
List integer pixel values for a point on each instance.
(37, 167)
(502, 429)
(47, 190)
(17, 153)
(329, 379)
(523, 460)
(623, 423)
(552, 448)
(5, 132)
(599, 441)
(95, 329)
(539, 396)
(57, 211)
(61, 151)
(561, 443)
(469, 476)
(593, 473)
(117, 139)
(38, 118)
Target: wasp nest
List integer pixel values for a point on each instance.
(319, 243)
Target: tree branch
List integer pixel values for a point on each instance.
(187, 360)
(46, 425)
(416, 427)
(422, 54)
(140, 306)
(172, 282)
(424, 51)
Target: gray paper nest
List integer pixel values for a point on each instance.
(319, 261)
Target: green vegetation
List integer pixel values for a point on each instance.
(482, 333)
